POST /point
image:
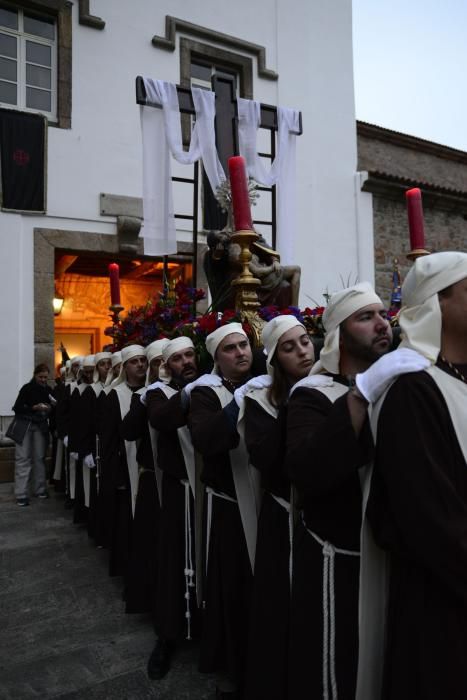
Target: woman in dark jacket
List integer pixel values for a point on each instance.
(33, 406)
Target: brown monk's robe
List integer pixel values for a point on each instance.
(227, 590)
(323, 457)
(58, 393)
(166, 415)
(141, 574)
(62, 422)
(88, 432)
(75, 438)
(115, 487)
(267, 661)
(418, 510)
(102, 533)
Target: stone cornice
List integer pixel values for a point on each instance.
(87, 19)
(393, 187)
(413, 142)
(173, 24)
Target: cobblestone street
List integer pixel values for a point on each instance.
(63, 629)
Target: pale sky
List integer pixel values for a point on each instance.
(410, 67)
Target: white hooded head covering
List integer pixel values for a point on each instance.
(128, 353)
(154, 350)
(173, 346)
(272, 333)
(420, 318)
(214, 339)
(115, 360)
(97, 358)
(76, 360)
(88, 361)
(341, 305)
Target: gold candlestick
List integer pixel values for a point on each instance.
(246, 285)
(115, 311)
(417, 253)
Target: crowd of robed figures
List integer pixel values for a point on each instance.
(307, 525)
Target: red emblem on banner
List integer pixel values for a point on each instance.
(21, 157)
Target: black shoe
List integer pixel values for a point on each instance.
(159, 661)
(226, 694)
(43, 496)
(22, 502)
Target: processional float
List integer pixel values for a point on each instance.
(244, 285)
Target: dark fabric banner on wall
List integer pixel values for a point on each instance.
(22, 150)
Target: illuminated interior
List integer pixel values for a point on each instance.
(83, 283)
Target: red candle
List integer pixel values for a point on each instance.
(240, 196)
(114, 272)
(415, 214)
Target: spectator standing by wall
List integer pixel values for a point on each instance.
(33, 407)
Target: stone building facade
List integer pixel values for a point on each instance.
(395, 162)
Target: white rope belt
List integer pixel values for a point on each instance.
(210, 493)
(67, 473)
(286, 505)
(329, 612)
(189, 570)
(98, 463)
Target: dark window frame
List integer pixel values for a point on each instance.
(60, 11)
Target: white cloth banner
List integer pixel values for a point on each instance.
(282, 171)
(162, 136)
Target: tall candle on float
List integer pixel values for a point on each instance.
(240, 195)
(114, 274)
(415, 215)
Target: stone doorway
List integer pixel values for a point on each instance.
(95, 250)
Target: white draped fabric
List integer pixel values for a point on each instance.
(281, 172)
(162, 136)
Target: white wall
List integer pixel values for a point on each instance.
(16, 308)
(308, 42)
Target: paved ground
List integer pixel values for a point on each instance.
(63, 630)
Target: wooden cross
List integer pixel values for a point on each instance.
(226, 130)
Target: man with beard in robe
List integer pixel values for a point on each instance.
(227, 594)
(417, 504)
(175, 601)
(141, 578)
(87, 440)
(58, 460)
(77, 439)
(101, 529)
(118, 458)
(329, 439)
(62, 420)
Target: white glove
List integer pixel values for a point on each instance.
(204, 380)
(312, 382)
(377, 378)
(74, 455)
(262, 382)
(89, 462)
(151, 387)
(65, 440)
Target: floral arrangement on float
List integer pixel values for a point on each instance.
(172, 313)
